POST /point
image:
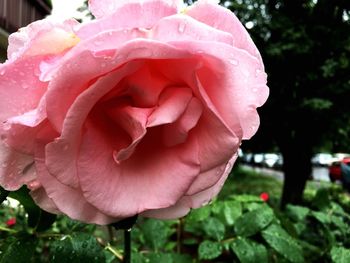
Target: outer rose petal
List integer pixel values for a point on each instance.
(15, 168)
(240, 93)
(20, 87)
(41, 37)
(184, 205)
(107, 7)
(223, 19)
(40, 197)
(126, 14)
(68, 200)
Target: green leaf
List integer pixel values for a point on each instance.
(283, 243)
(20, 251)
(209, 250)
(214, 228)
(80, 247)
(321, 217)
(159, 257)
(3, 194)
(340, 255)
(322, 199)
(227, 211)
(137, 258)
(247, 198)
(252, 222)
(181, 258)
(249, 251)
(297, 213)
(198, 215)
(165, 258)
(155, 233)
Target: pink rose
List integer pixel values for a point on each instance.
(140, 111)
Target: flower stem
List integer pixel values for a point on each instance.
(127, 246)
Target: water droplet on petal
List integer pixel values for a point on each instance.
(234, 62)
(6, 126)
(182, 27)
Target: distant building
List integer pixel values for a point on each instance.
(18, 13)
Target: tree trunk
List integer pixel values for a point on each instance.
(297, 170)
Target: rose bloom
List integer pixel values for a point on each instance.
(140, 111)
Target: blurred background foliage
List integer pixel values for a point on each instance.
(243, 224)
(305, 46)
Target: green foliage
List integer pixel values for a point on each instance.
(233, 228)
(283, 243)
(249, 251)
(80, 247)
(209, 249)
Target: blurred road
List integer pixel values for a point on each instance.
(318, 173)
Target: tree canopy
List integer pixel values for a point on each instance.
(305, 45)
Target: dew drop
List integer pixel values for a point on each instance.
(97, 42)
(2, 72)
(258, 72)
(4, 165)
(234, 62)
(182, 27)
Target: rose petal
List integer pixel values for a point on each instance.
(181, 27)
(172, 104)
(41, 37)
(100, 9)
(14, 168)
(40, 197)
(177, 132)
(61, 155)
(239, 94)
(139, 183)
(204, 197)
(20, 88)
(133, 121)
(63, 91)
(223, 19)
(184, 205)
(68, 200)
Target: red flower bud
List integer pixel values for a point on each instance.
(11, 222)
(264, 196)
